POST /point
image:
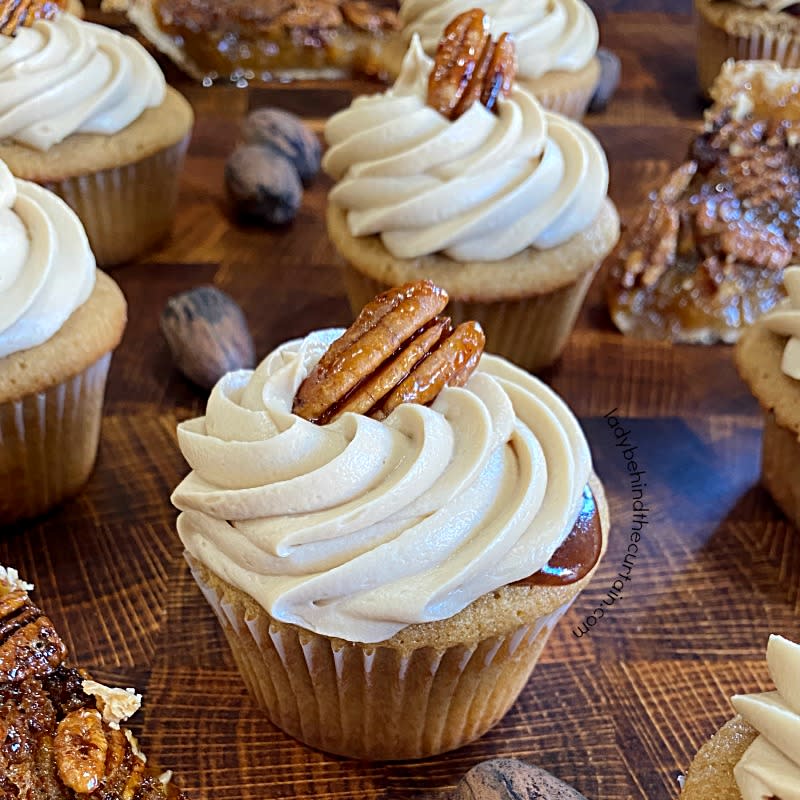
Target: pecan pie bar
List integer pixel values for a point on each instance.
(245, 40)
(60, 734)
(706, 257)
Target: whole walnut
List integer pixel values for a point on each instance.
(262, 185)
(286, 135)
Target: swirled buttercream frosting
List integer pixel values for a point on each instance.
(785, 321)
(47, 269)
(549, 34)
(359, 528)
(770, 768)
(480, 188)
(65, 76)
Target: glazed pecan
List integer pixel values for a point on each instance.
(399, 350)
(81, 748)
(470, 66)
(369, 17)
(15, 13)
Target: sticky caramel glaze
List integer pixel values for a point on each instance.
(579, 553)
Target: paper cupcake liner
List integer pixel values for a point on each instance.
(571, 103)
(715, 46)
(48, 443)
(530, 332)
(127, 210)
(375, 702)
(780, 467)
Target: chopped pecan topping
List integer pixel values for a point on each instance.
(16, 13)
(712, 243)
(81, 748)
(470, 66)
(369, 17)
(399, 350)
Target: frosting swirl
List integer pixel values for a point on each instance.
(359, 528)
(770, 767)
(481, 188)
(65, 76)
(550, 34)
(785, 321)
(48, 269)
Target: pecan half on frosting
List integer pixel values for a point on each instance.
(470, 66)
(399, 350)
(16, 13)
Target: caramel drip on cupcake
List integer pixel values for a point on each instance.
(17, 13)
(470, 67)
(399, 350)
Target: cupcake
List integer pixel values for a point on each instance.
(556, 43)
(506, 208)
(768, 359)
(85, 112)
(745, 29)
(757, 754)
(388, 524)
(60, 319)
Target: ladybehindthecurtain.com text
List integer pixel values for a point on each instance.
(639, 512)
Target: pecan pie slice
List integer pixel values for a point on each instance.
(60, 734)
(706, 256)
(244, 40)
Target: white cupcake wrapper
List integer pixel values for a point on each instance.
(376, 701)
(715, 46)
(48, 443)
(127, 210)
(780, 467)
(571, 103)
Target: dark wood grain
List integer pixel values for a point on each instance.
(619, 712)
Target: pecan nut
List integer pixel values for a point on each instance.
(399, 350)
(81, 748)
(16, 13)
(470, 66)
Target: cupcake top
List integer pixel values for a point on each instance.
(481, 187)
(785, 321)
(771, 765)
(550, 34)
(64, 76)
(48, 269)
(360, 527)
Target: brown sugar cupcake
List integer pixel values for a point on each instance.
(704, 258)
(745, 29)
(757, 754)
(85, 112)
(556, 44)
(60, 319)
(388, 524)
(769, 362)
(500, 202)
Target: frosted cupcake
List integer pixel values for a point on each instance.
(556, 43)
(85, 112)
(60, 319)
(745, 29)
(507, 211)
(388, 574)
(768, 359)
(757, 754)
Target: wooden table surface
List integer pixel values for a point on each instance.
(618, 712)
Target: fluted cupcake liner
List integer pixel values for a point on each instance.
(715, 46)
(48, 443)
(374, 701)
(532, 332)
(129, 209)
(571, 103)
(780, 467)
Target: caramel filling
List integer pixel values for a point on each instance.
(579, 553)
